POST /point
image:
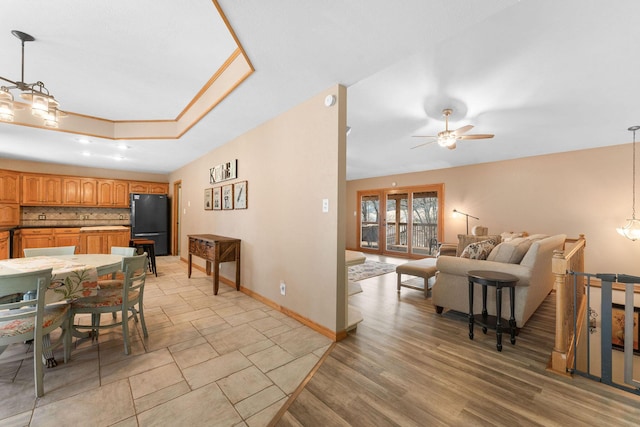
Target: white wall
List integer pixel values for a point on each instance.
(291, 163)
(586, 191)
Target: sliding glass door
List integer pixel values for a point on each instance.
(397, 213)
(404, 222)
(370, 221)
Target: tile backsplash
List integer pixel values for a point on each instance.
(49, 216)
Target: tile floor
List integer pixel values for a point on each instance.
(225, 360)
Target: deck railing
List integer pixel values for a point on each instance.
(567, 301)
(422, 235)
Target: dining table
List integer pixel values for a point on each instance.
(73, 276)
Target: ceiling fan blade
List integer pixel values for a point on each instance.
(476, 136)
(463, 129)
(423, 144)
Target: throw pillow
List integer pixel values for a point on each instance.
(510, 252)
(465, 239)
(478, 250)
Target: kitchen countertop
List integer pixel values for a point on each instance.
(82, 228)
(104, 228)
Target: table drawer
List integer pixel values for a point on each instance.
(202, 249)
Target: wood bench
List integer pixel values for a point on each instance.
(425, 268)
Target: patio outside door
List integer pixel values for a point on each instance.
(370, 221)
(405, 222)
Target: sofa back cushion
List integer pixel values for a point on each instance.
(465, 240)
(542, 248)
(511, 251)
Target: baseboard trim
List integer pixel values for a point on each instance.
(334, 336)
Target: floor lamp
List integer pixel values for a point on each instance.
(466, 215)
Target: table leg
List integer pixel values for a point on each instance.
(216, 276)
(189, 268)
(512, 319)
(485, 313)
(499, 317)
(237, 266)
(471, 320)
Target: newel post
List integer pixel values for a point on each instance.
(559, 267)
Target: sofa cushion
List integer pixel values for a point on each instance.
(511, 251)
(478, 250)
(508, 236)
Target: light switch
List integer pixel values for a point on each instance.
(325, 205)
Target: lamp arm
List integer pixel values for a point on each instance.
(9, 81)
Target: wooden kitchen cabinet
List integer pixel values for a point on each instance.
(79, 192)
(9, 187)
(67, 237)
(41, 190)
(113, 193)
(4, 245)
(100, 242)
(148, 188)
(36, 238)
(9, 215)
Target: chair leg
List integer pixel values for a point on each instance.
(67, 339)
(142, 322)
(125, 330)
(38, 366)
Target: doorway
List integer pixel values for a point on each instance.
(177, 218)
(404, 222)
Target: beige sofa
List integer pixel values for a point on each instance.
(451, 288)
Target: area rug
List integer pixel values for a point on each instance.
(369, 269)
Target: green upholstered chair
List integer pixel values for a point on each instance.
(121, 301)
(26, 320)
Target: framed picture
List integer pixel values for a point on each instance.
(208, 199)
(217, 198)
(618, 327)
(227, 196)
(240, 194)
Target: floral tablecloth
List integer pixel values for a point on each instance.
(70, 279)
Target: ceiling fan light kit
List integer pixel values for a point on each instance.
(448, 138)
(43, 104)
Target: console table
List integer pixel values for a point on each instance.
(215, 249)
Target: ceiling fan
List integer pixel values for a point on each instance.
(447, 138)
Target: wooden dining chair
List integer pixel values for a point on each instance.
(117, 300)
(26, 320)
(58, 250)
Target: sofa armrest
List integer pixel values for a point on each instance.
(461, 266)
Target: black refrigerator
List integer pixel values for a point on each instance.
(150, 220)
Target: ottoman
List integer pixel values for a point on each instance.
(425, 268)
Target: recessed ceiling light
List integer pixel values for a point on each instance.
(123, 146)
(86, 153)
(83, 140)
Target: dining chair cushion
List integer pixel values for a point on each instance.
(105, 298)
(16, 327)
(110, 284)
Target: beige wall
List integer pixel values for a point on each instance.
(37, 167)
(291, 163)
(587, 191)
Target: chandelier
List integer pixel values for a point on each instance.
(43, 104)
(631, 230)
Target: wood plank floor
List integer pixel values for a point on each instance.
(405, 365)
